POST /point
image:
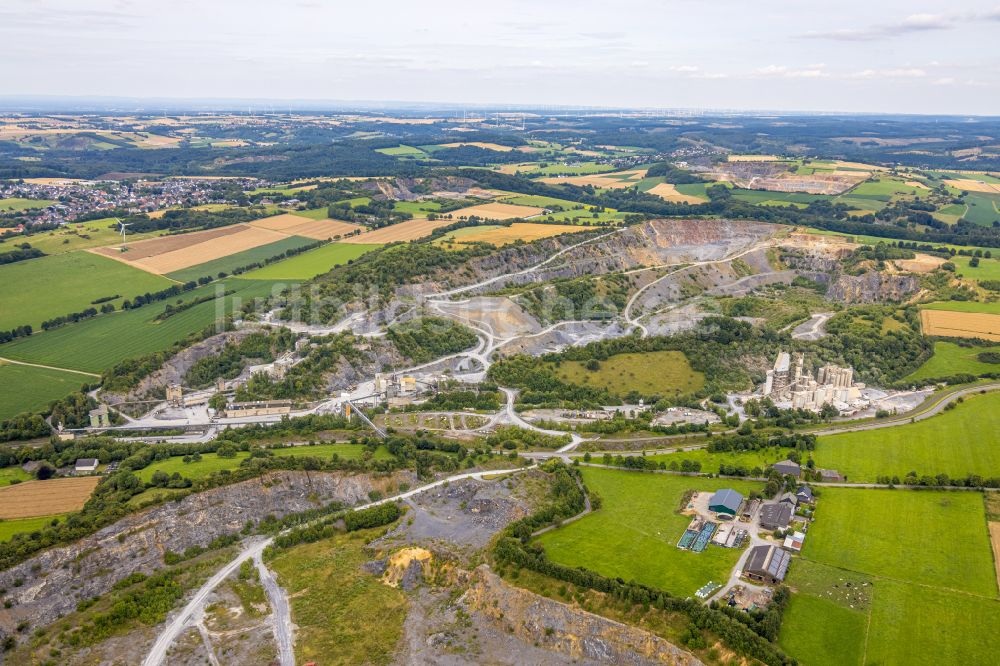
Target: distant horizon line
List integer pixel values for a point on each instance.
(110, 103)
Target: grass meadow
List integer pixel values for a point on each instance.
(950, 358)
(8, 528)
(98, 343)
(337, 607)
(964, 306)
(53, 286)
(80, 236)
(894, 577)
(310, 264)
(27, 389)
(653, 373)
(988, 269)
(984, 209)
(15, 204)
(634, 534)
(211, 462)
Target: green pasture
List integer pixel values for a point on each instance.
(8, 528)
(650, 373)
(16, 204)
(27, 389)
(959, 441)
(634, 534)
(13, 473)
(211, 462)
(950, 358)
(98, 343)
(934, 538)
(47, 287)
(402, 151)
(310, 264)
(984, 209)
(964, 306)
(893, 577)
(234, 261)
(988, 269)
(569, 169)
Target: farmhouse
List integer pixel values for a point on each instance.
(787, 468)
(789, 499)
(86, 465)
(805, 495)
(775, 516)
(725, 501)
(767, 564)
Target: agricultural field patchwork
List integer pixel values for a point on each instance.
(399, 232)
(231, 262)
(497, 211)
(295, 225)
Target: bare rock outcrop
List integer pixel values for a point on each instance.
(872, 287)
(566, 630)
(54, 581)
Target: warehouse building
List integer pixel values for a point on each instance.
(725, 501)
(767, 564)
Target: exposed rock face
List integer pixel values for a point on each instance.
(560, 628)
(178, 366)
(872, 287)
(56, 579)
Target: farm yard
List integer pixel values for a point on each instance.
(36, 387)
(499, 236)
(32, 499)
(951, 324)
(635, 533)
(311, 263)
(56, 285)
(879, 591)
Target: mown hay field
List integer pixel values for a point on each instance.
(45, 498)
(668, 192)
(960, 324)
(401, 231)
(297, 225)
(497, 211)
(498, 235)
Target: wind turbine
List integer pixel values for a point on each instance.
(123, 227)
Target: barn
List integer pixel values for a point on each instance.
(725, 501)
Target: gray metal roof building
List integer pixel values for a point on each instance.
(726, 501)
(775, 516)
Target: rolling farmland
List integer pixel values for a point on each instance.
(36, 387)
(57, 285)
(231, 262)
(96, 344)
(498, 235)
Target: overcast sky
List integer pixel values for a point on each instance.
(908, 56)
